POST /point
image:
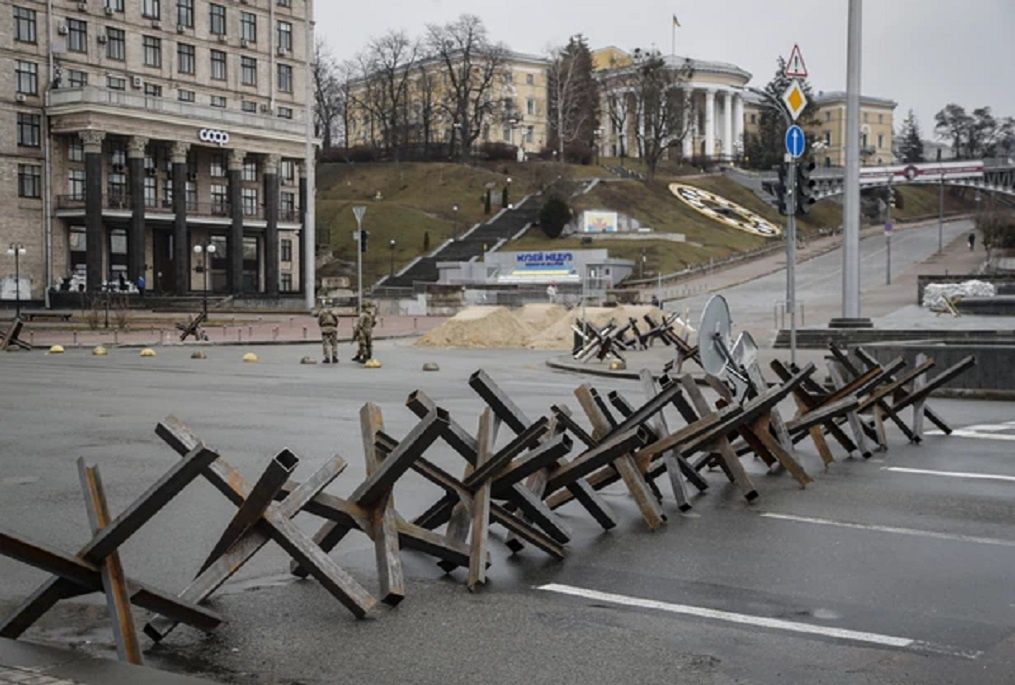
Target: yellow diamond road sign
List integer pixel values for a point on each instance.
(794, 99)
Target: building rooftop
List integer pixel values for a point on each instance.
(825, 97)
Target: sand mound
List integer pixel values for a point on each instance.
(480, 327)
(559, 336)
(540, 316)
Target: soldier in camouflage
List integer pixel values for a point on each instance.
(364, 333)
(328, 321)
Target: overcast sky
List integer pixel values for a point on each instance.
(921, 53)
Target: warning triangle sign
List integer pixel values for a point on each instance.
(795, 67)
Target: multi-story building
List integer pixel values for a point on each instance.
(518, 117)
(137, 130)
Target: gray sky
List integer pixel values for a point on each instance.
(921, 53)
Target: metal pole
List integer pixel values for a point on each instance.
(888, 259)
(359, 265)
(941, 214)
(791, 205)
(204, 298)
(17, 282)
(851, 196)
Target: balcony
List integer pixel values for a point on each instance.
(66, 100)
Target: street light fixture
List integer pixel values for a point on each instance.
(16, 250)
(454, 229)
(391, 269)
(206, 250)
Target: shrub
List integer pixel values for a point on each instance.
(493, 152)
(553, 216)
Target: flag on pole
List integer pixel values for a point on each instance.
(676, 22)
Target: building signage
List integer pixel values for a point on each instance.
(211, 135)
(545, 267)
(599, 222)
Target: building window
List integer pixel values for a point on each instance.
(881, 118)
(190, 192)
(249, 196)
(167, 193)
(27, 76)
(249, 170)
(185, 95)
(186, 58)
(285, 3)
(185, 13)
(881, 141)
(218, 100)
(24, 25)
(115, 5)
(218, 167)
(116, 44)
(152, 90)
(865, 117)
(285, 36)
(29, 180)
(285, 283)
(754, 118)
(285, 250)
(288, 168)
(529, 134)
(29, 129)
(75, 150)
(77, 78)
(249, 106)
(116, 83)
(285, 112)
(217, 21)
(248, 71)
(152, 51)
(219, 199)
(248, 27)
(287, 206)
(77, 35)
(285, 78)
(118, 157)
(151, 194)
(218, 65)
(76, 184)
(530, 79)
(151, 9)
(530, 106)
(117, 189)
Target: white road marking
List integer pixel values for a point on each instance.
(759, 621)
(983, 431)
(950, 474)
(891, 529)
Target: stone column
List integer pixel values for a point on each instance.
(727, 124)
(235, 242)
(94, 235)
(738, 121)
(709, 123)
(271, 163)
(302, 167)
(181, 241)
(687, 152)
(136, 236)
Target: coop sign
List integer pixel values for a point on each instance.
(211, 135)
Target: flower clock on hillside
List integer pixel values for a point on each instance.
(727, 212)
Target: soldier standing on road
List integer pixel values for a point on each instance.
(328, 321)
(364, 333)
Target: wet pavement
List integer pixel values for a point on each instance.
(893, 570)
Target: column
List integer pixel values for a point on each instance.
(302, 170)
(727, 124)
(94, 235)
(136, 235)
(181, 242)
(709, 123)
(235, 242)
(271, 163)
(687, 152)
(738, 122)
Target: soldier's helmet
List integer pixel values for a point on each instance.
(368, 305)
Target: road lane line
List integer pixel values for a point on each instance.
(982, 431)
(759, 621)
(890, 529)
(950, 474)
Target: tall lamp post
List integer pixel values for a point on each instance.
(391, 268)
(454, 229)
(16, 250)
(207, 250)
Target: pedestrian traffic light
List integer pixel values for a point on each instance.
(781, 188)
(363, 236)
(804, 187)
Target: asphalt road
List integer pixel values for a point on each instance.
(885, 571)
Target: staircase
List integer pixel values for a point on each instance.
(482, 238)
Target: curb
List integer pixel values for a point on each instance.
(233, 343)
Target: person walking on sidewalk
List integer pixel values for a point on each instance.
(328, 321)
(971, 240)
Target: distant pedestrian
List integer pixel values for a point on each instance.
(655, 302)
(551, 293)
(140, 286)
(328, 321)
(972, 241)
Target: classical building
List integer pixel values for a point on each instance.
(714, 91)
(138, 130)
(519, 90)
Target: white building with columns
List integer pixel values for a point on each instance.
(715, 92)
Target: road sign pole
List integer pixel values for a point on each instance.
(791, 202)
(941, 214)
(888, 258)
(358, 212)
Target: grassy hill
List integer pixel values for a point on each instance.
(416, 200)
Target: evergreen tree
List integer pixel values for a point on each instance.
(766, 148)
(573, 100)
(910, 144)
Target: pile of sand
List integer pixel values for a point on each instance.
(480, 327)
(540, 316)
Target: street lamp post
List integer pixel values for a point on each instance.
(504, 200)
(391, 269)
(16, 250)
(454, 229)
(206, 250)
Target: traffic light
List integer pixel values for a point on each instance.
(804, 187)
(781, 188)
(363, 236)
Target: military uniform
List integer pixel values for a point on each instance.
(328, 321)
(364, 334)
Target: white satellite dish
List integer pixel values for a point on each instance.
(745, 350)
(714, 336)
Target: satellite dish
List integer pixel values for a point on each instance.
(714, 336)
(745, 350)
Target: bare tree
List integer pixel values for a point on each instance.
(662, 106)
(327, 93)
(471, 66)
(574, 97)
(617, 109)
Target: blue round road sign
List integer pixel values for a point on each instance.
(796, 141)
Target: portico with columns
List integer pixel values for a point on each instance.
(134, 199)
